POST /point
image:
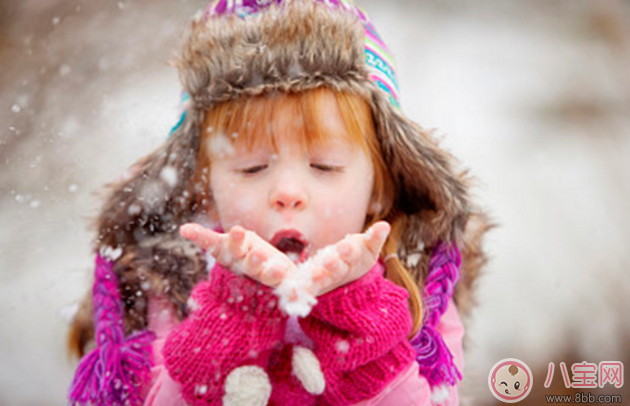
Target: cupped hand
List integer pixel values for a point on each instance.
(245, 251)
(242, 251)
(351, 258)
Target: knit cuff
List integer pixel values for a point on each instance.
(353, 294)
(237, 294)
(360, 337)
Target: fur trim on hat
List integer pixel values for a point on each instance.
(297, 46)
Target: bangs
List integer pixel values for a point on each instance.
(302, 118)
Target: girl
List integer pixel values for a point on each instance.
(334, 204)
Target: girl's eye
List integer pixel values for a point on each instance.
(253, 169)
(326, 168)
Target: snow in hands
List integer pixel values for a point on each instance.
(284, 263)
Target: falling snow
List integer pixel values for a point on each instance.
(111, 253)
(169, 175)
(220, 146)
(134, 209)
(342, 346)
(65, 70)
(68, 312)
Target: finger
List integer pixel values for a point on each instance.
(319, 274)
(205, 238)
(236, 245)
(329, 276)
(348, 250)
(253, 262)
(327, 270)
(376, 236)
(273, 271)
(335, 267)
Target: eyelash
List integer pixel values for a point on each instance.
(253, 169)
(326, 168)
(320, 167)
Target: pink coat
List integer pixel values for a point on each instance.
(406, 388)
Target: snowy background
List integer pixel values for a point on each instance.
(533, 96)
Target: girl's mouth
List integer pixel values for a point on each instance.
(292, 243)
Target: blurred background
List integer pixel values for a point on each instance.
(533, 97)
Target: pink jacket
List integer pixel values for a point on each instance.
(340, 313)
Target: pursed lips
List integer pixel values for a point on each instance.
(291, 241)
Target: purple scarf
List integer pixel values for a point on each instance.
(115, 371)
(433, 356)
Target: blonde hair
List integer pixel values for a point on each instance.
(241, 121)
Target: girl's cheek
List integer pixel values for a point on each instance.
(244, 204)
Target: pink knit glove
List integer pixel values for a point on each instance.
(360, 334)
(236, 322)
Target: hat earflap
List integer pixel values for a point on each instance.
(158, 194)
(428, 193)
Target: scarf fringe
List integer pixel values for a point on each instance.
(114, 373)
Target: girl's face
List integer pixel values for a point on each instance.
(299, 198)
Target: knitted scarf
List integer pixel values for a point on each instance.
(434, 358)
(115, 372)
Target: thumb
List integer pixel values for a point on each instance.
(376, 236)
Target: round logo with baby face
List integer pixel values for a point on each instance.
(510, 380)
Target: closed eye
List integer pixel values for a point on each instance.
(326, 168)
(503, 383)
(253, 169)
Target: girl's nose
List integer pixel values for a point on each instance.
(288, 196)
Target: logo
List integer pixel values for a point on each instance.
(510, 380)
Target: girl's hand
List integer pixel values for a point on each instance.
(352, 258)
(242, 251)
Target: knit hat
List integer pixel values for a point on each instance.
(241, 48)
